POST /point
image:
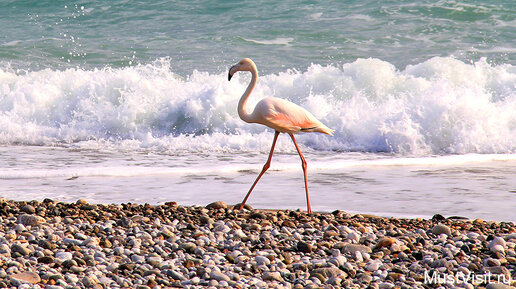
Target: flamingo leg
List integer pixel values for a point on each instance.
(265, 167)
(303, 164)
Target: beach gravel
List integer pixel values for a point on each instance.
(52, 244)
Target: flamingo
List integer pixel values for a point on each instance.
(281, 115)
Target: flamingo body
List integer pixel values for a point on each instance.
(278, 114)
(287, 117)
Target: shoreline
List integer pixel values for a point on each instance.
(54, 245)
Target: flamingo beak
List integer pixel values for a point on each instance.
(230, 74)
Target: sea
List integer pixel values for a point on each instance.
(128, 101)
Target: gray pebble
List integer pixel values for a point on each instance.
(262, 260)
(441, 229)
(23, 250)
(28, 209)
(272, 276)
(219, 276)
(352, 248)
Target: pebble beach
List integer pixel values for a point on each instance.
(53, 245)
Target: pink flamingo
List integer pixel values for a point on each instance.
(278, 114)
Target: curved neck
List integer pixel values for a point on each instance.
(242, 112)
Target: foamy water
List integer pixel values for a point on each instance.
(440, 106)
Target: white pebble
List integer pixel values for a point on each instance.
(497, 241)
(353, 237)
(262, 260)
(64, 256)
(113, 266)
(20, 228)
(498, 249)
(372, 266)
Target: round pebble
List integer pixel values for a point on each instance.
(441, 229)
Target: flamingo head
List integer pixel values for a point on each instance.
(245, 64)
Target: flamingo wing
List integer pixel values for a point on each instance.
(285, 116)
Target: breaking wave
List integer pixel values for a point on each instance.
(440, 106)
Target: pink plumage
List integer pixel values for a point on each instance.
(278, 114)
(285, 116)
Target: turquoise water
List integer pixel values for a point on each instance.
(279, 35)
(118, 101)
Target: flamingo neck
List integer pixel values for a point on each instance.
(242, 112)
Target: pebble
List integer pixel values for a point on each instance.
(46, 260)
(491, 262)
(499, 286)
(441, 229)
(88, 281)
(113, 266)
(365, 278)
(338, 261)
(69, 263)
(373, 265)
(137, 259)
(25, 277)
(498, 241)
(141, 246)
(329, 234)
(272, 276)
(386, 285)
(217, 205)
(176, 275)
(497, 249)
(81, 202)
(30, 220)
(353, 237)
(330, 272)
(352, 248)
(304, 247)
(63, 256)
(23, 250)
(472, 235)
(219, 276)
(385, 242)
(262, 260)
(28, 209)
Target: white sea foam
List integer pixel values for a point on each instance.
(439, 106)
